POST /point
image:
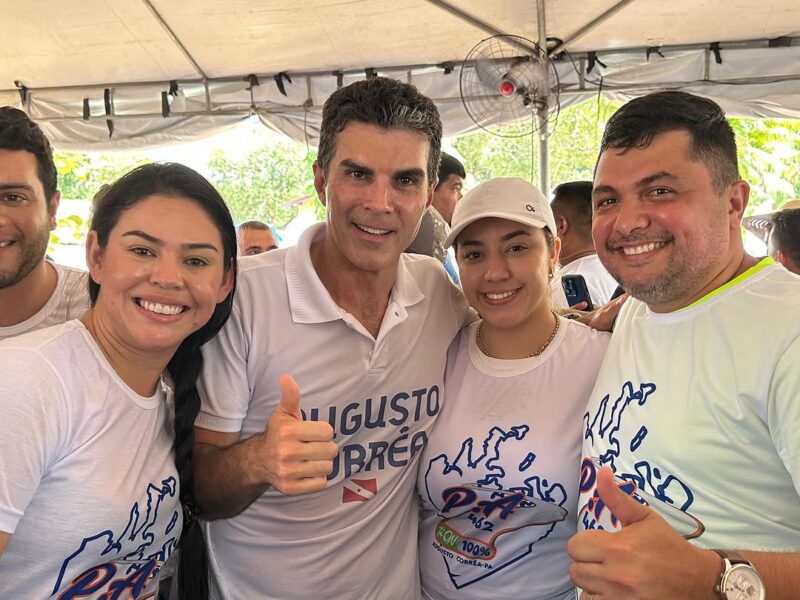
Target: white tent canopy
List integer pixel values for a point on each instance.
(108, 74)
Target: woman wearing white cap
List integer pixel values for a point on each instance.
(499, 476)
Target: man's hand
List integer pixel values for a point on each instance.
(296, 455)
(601, 318)
(646, 560)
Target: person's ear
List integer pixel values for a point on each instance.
(52, 207)
(562, 225)
(737, 201)
(319, 183)
(94, 257)
(555, 254)
(227, 282)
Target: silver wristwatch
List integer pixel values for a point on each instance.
(739, 579)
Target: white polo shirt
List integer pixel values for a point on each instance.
(358, 537)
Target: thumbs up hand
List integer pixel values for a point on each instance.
(297, 455)
(646, 560)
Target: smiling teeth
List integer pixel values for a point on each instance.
(4, 244)
(162, 309)
(500, 296)
(642, 249)
(373, 231)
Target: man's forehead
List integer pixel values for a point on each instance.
(18, 163)
(354, 141)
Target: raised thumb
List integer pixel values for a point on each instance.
(621, 504)
(290, 396)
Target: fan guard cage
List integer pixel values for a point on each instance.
(509, 79)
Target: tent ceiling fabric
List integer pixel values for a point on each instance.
(51, 46)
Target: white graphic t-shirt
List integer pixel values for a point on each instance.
(88, 485)
(498, 479)
(697, 413)
(69, 300)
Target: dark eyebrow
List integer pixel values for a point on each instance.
(15, 186)
(154, 240)
(514, 234)
(504, 238)
(413, 173)
(656, 177)
(351, 164)
(643, 182)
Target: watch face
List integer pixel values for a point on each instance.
(743, 583)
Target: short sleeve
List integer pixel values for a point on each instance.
(34, 430)
(224, 386)
(783, 412)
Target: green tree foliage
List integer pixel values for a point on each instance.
(769, 159)
(80, 176)
(573, 144)
(264, 183)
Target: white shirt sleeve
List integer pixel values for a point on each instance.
(224, 384)
(34, 420)
(783, 410)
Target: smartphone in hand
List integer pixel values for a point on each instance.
(576, 291)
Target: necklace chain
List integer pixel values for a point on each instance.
(482, 345)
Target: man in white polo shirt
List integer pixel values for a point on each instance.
(34, 292)
(310, 484)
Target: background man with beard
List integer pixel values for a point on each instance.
(34, 293)
(696, 402)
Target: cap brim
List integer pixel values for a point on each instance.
(497, 214)
(758, 225)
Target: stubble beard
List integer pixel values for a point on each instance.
(681, 279)
(32, 252)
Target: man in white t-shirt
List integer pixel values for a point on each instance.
(309, 486)
(34, 292)
(695, 409)
(572, 208)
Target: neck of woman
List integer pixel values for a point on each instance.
(524, 341)
(141, 371)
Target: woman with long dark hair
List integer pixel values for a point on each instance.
(96, 452)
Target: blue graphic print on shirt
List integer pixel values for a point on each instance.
(485, 508)
(134, 544)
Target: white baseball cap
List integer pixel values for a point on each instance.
(509, 198)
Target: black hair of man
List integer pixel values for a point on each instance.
(785, 233)
(385, 103)
(573, 200)
(713, 141)
(449, 165)
(19, 132)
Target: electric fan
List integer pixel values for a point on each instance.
(509, 79)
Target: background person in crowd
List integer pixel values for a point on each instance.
(255, 237)
(435, 225)
(695, 409)
(780, 230)
(784, 239)
(351, 442)
(96, 453)
(34, 292)
(498, 478)
(572, 208)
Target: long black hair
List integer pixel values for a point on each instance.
(175, 180)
